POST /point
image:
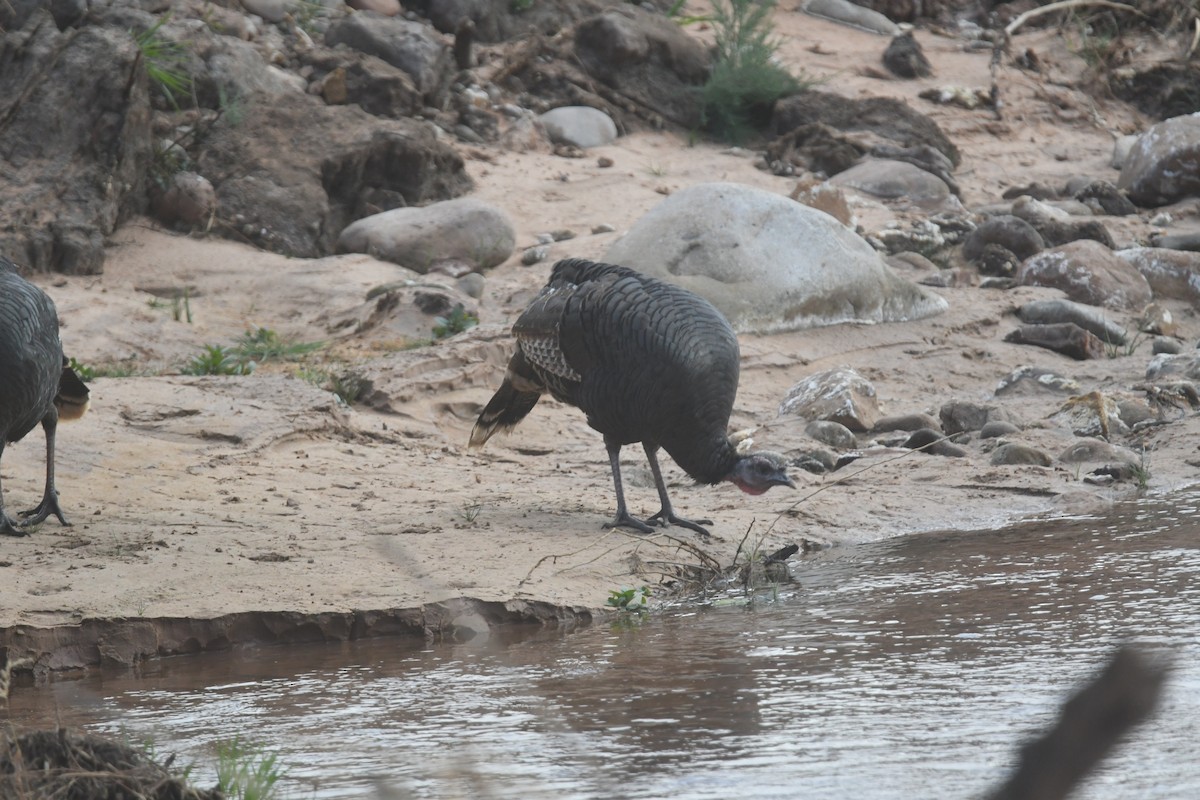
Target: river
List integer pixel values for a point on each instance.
(902, 669)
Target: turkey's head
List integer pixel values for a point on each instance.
(754, 473)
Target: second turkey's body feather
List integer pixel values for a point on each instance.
(645, 360)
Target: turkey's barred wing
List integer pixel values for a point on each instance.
(537, 331)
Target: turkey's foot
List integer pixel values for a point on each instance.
(48, 506)
(9, 527)
(668, 516)
(626, 520)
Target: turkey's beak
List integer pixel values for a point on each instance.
(782, 479)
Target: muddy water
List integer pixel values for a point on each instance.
(904, 669)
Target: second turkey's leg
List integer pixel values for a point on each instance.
(623, 519)
(49, 504)
(7, 526)
(667, 514)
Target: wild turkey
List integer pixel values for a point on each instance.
(36, 384)
(648, 362)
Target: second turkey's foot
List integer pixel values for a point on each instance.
(665, 516)
(627, 520)
(48, 506)
(9, 527)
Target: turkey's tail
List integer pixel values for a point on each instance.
(72, 397)
(515, 398)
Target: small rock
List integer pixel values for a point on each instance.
(188, 200)
(960, 416)
(387, 8)
(905, 58)
(840, 395)
(1063, 337)
(604, 162)
(270, 10)
(1162, 344)
(579, 126)
(1097, 450)
(997, 428)
(1165, 365)
(906, 422)
(833, 434)
(816, 460)
(1012, 233)
(1088, 272)
(534, 255)
(1017, 453)
(1158, 320)
(928, 440)
(1057, 310)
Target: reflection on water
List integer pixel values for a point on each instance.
(909, 668)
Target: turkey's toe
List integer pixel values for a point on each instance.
(627, 520)
(666, 517)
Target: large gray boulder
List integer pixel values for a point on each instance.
(76, 142)
(418, 238)
(1164, 164)
(767, 262)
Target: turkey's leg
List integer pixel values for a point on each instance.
(623, 519)
(49, 504)
(667, 514)
(7, 526)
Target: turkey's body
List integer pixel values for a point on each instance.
(645, 360)
(31, 372)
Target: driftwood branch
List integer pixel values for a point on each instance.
(1062, 5)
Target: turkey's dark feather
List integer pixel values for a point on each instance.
(647, 361)
(31, 360)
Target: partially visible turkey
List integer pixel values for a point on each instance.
(648, 362)
(36, 384)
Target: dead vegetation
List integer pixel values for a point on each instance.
(69, 765)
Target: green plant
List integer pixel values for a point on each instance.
(245, 772)
(520, 5)
(633, 601)
(745, 80)
(457, 321)
(165, 62)
(264, 344)
(217, 360)
(84, 372)
(1114, 350)
(470, 512)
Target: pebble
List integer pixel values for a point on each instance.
(533, 255)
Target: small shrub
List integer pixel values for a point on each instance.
(217, 360)
(165, 63)
(264, 344)
(457, 321)
(629, 600)
(745, 81)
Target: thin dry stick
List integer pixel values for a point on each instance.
(1060, 6)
